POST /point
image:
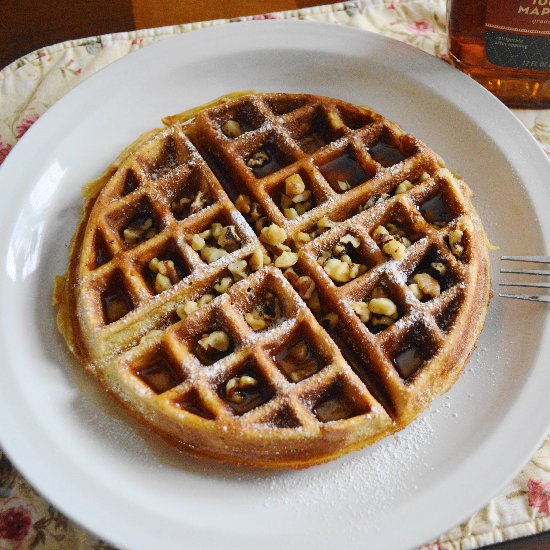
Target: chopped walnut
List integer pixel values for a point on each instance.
(323, 258)
(197, 242)
(232, 128)
(252, 211)
(296, 200)
(337, 270)
(258, 259)
(382, 320)
(455, 242)
(291, 276)
(314, 303)
(298, 361)
(205, 299)
(376, 199)
(439, 267)
(223, 285)
(424, 176)
(332, 410)
(378, 310)
(185, 309)
(347, 238)
(261, 223)
(392, 240)
(286, 259)
(194, 203)
(345, 258)
(294, 185)
(310, 367)
(343, 185)
(235, 386)
(302, 198)
(258, 159)
(324, 224)
(362, 310)
(299, 351)
(305, 287)
(199, 202)
(403, 187)
(166, 274)
(273, 235)
(395, 249)
(255, 320)
(413, 287)
(300, 239)
(291, 213)
(228, 238)
(215, 242)
(165, 267)
(162, 283)
(395, 230)
(383, 306)
(338, 264)
(381, 235)
(264, 314)
(217, 340)
(179, 205)
(255, 213)
(243, 204)
(379, 292)
(427, 285)
(210, 254)
(136, 235)
(238, 270)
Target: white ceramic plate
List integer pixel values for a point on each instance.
(104, 471)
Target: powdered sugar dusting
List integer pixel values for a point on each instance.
(367, 474)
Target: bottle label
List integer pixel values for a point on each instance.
(517, 34)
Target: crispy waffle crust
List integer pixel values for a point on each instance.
(255, 317)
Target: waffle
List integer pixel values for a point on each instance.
(275, 279)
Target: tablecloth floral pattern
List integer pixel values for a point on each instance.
(30, 85)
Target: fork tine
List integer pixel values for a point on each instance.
(532, 297)
(538, 259)
(531, 285)
(527, 271)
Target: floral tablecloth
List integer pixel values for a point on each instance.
(30, 85)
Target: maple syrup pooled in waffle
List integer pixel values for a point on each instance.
(275, 279)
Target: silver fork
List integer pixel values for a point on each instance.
(545, 272)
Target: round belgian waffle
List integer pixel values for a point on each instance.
(275, 279)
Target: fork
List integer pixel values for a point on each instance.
(544, 272)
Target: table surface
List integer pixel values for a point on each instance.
(26, 25)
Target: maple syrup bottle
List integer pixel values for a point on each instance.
(505, 46)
